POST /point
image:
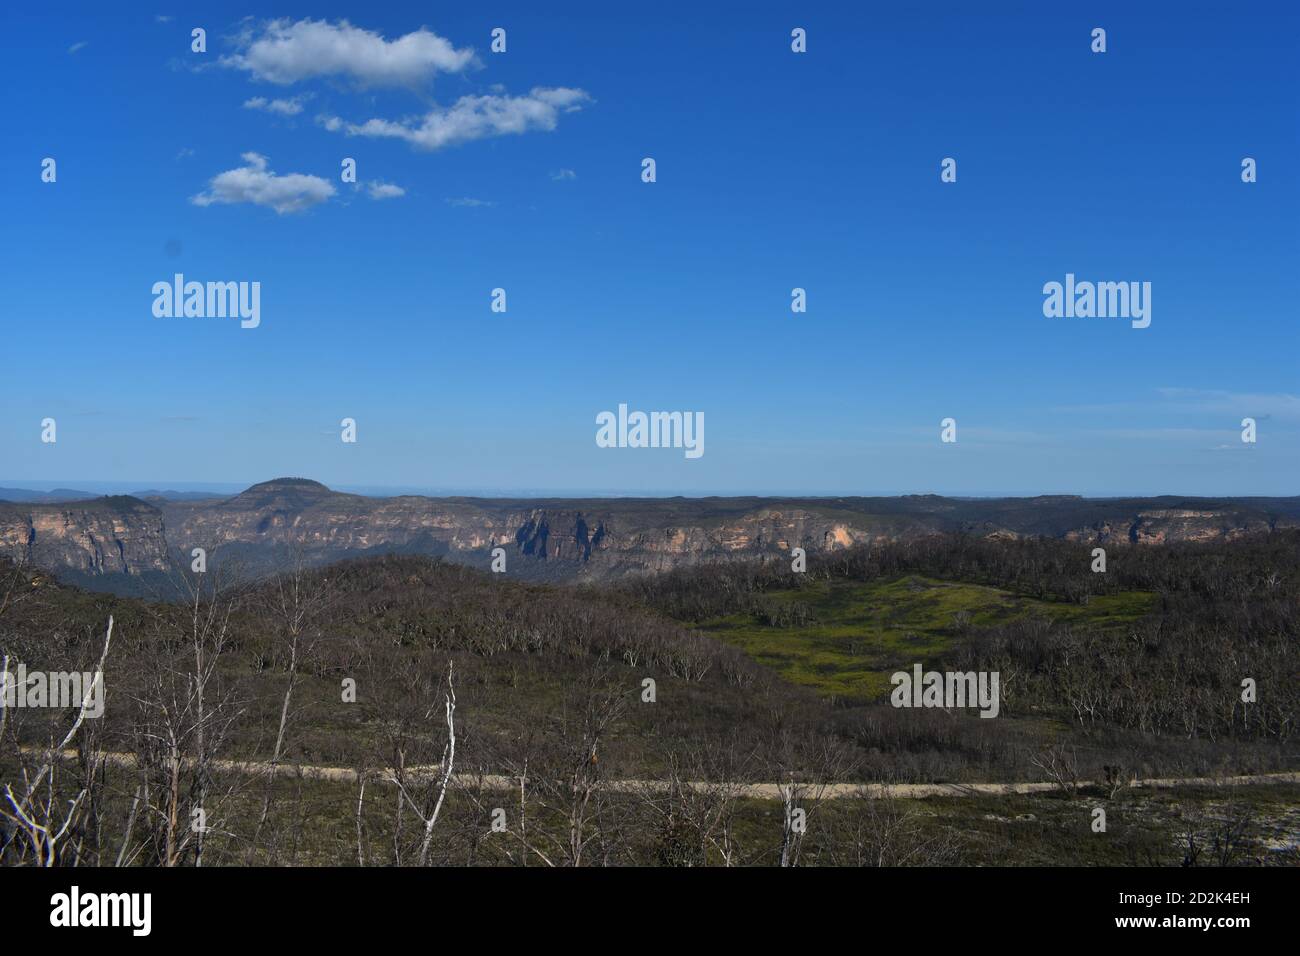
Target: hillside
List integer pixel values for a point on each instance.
(125, 543)
(757, 676)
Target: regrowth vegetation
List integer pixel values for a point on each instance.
(471, 718)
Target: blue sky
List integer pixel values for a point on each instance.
(775, 170)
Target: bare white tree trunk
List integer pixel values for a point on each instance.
(361, 846)
(445, 768)
(448, 760)
(41, 821)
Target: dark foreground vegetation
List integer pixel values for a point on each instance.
(622, 725)
(1220, 614)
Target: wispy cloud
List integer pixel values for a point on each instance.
(284, 52)
(79, 45)
(469, 203)
(972, 435)
(563, 175)
(282, 107)
(162, 18)
(1199, 401)
(1162, 434)
(258, 185)
(472, 117)
(381, 190)
(1259, 405)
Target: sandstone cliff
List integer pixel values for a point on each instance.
(116, 535)
(563, 539)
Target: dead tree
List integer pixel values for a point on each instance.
(429, 809)
(37, 812)
(184, 717)
(294, 601)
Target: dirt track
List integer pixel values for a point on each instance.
(767, 791)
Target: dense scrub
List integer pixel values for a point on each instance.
(1225, 614)
(1263, 568)
(548, 687)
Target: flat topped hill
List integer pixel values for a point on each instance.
(284, 493)
(562, 539)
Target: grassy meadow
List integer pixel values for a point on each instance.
(843, 639)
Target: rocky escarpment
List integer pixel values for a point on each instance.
(565, 539)
(1164, 525)
(115, 535)
(550, 538)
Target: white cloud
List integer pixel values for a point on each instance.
(286, 52)
(468, 203)
(185, 152)
(473, 117)
(1257, 404)
(289, 107)
(162, 18)
(380, 190)
(260, 186)
(79, 45)
(1203, 402)
(563, 175)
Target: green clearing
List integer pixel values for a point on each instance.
(859, 633)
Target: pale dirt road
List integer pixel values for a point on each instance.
(765, 791)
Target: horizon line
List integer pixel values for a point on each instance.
(227, 488)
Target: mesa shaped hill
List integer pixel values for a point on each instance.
(106, 542)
